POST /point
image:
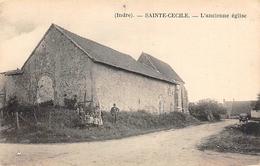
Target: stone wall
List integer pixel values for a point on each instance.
(255, 113)
(15, 85)
(11, 86)
(184, 98)
(2, 83)
(2, 90)
(56, 68)
(132, 92)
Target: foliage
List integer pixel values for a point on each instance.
(61, 125)
(46, 103)
(70, 103)
(243, 138)
(257, 104)
(12, 104)
(207, 110)
(145, 120)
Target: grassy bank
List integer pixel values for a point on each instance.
(236, 138)
(61, 127)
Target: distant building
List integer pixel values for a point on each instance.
(64, 65)
(234, 108)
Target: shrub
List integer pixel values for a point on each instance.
(63, 125)
(12, 104)
(56, 117)
(46, 103)
(251, 128)
(257, 103)
(145, 120)
(207, 110)
(70, 103)
(11, 107)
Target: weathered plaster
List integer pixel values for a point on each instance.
(68, 71)
(131, 92)
(59, 59)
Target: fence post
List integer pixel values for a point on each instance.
(4, 104)
(1, 116)
(49, 119)
(85, 98)
(17, 120)
(34, 114)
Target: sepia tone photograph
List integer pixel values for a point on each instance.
(120, 82)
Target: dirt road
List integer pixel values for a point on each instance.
(172, 147)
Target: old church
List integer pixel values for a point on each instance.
(65, 65)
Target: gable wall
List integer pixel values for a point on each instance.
(57, 59)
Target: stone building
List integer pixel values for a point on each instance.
(64, 65)
(234, 108)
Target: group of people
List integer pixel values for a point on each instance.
(90, 117)
(94, 116)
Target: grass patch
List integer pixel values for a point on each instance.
(62, 128)
(243, 139)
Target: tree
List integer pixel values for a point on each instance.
(207, 110)
(257, 104)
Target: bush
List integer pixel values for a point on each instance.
(243, 138)
(70, 103)
(145, 120)
(63, 125)
(12, 104)
(207, 110)
(46, 103)
(251, 128)
(257, 103)
(10, 109)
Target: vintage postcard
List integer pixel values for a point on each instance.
(128, 82)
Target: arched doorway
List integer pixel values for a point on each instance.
(45, 91)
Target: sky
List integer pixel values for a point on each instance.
(217, 58)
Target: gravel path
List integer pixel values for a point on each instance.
(172, 147)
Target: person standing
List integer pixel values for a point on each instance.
(97, 117)
(114, 112)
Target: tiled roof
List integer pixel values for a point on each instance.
(237, 107)
(160, 67)
(13, 72)
(105, 55)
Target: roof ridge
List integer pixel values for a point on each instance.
(103, 54)
(149, 59)
(100, 53)
(102, 45)
(96, 60)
